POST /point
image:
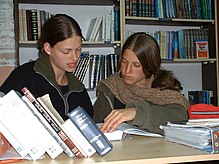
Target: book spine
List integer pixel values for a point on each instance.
(90, 130)
(52, 140)
(21, 34)
(34, 22)
(75, 133)
(53, 123)
(12, 140)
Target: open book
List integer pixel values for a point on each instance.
(123, 129)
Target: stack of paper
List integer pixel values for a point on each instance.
(202, 136)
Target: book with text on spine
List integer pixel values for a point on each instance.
(53, 122)
(79, 137)
(72, 131)
(90, 130)
(53, 147)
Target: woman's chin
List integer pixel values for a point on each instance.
(128, 81)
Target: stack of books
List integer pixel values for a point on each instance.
(196, 133)
(33, 127)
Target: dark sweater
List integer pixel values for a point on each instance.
(39, 78)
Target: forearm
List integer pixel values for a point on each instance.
(150, 116)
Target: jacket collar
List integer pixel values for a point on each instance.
(43, 67)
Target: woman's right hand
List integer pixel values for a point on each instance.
(116, 117)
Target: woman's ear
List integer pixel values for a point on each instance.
(47, 48)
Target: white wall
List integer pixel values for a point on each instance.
(189, 74)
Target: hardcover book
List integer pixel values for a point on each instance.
(50, 137)
(202, 48)
(71, 130)
(15, 115)
(13, 141)
(90, 130)
(53, 122)
(77, 135)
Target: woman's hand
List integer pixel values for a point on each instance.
(116, 117)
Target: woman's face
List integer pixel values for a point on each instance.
(64, 55)
(131, 69)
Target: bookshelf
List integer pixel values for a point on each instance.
(195, 74)
(83, 11)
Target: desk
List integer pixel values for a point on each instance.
(138, 149)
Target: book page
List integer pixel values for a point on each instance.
(123, 129)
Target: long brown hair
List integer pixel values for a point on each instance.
(147, 51)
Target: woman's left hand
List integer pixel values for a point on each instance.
(116, 117)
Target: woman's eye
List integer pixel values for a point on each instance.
(65, 52)
(137, 65)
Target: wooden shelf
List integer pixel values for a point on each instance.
(115, 44)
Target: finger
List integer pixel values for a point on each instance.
(109, 115)
(113, 122)
(107, 122)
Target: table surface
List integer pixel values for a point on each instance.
(138, 149)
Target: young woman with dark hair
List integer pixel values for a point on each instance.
(59, 47)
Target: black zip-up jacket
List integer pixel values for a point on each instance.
(38, 76)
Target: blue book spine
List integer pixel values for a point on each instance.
(90, 130)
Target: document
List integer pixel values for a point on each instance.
(124, 129)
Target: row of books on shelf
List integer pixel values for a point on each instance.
(34, 128)
(83, 65)
(101, 67)
(105, 28)
(182, 9)
(181, 44)
(202, 96)
(30, 23)
(98, 66)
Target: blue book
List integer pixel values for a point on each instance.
(90, 130)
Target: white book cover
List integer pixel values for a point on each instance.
(76, 134)
(90, 31)
(108, 28)
(47, 105)
(96, 29)
(49, 138)
(112, 26)
(12, 140)
(45, 100)
(103, 28)
(40, 107)
(15, 116)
